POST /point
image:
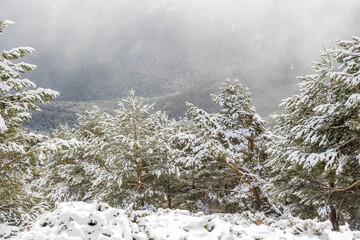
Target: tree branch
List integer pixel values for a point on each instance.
(355, 185)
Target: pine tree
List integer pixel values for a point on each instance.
(228, 147)
(122, 159)
(173, 184)
(70, 171)
(244, 131)
(316, 154)
(137, 154)
(58, 180)
(91, 132)
(20, 152)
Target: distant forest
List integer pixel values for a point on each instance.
(170, 51)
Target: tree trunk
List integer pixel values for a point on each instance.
(257, 197)
(334, 219)
(252, 148)
(243, 177)
(142, 201)
(169, 201)
(141, 188)
(138, 165)
(251, 155)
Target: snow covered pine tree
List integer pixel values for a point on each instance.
(168, 185)
(59, 178)
(69, 172)
(181, 188)
(231, 140)
(137, 154)
(20, 152)
(316, 156)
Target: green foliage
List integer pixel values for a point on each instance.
(21, 153)
(226, 148)
(316, 154)
(121, 159)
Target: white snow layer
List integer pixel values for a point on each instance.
(80, 221)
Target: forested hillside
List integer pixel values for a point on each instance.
(161, 48)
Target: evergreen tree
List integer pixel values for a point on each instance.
(173, 184)
(136, 143)
(20, 152)
(122, 159)
(70, 171)
(228, 148)
(91, 131)
(58, 181)
(316, 154)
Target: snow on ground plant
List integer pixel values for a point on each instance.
(78, 221)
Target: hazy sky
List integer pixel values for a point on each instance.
(181, 43)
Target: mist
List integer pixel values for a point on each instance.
(92, 50)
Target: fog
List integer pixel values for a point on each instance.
(99, 49)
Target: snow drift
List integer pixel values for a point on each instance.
(78, 221)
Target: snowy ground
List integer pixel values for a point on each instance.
(78, 221)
